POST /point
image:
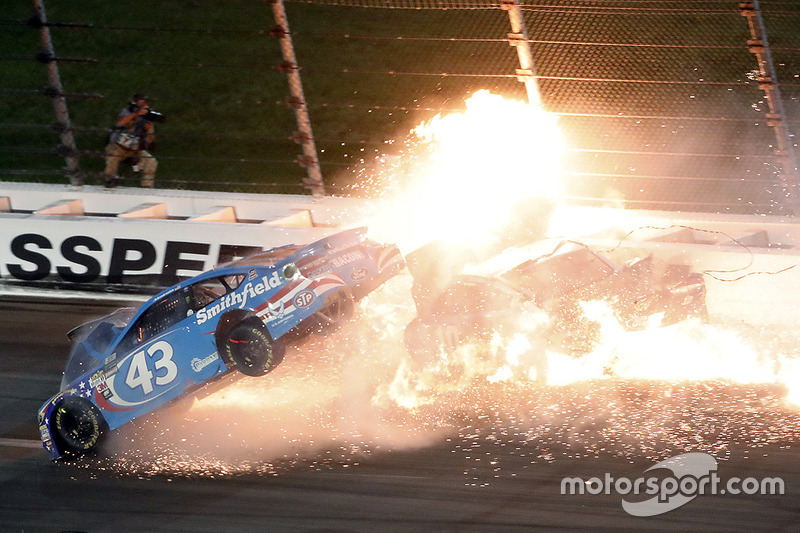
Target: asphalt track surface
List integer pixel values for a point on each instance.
(436, 487)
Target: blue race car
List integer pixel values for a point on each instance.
(240, 317)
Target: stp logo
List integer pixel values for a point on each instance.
(304, 299)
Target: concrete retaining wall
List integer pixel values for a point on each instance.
(59, 241)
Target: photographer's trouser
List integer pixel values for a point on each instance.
(147, 163)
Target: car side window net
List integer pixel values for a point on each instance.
(207, 291)
(161, 315)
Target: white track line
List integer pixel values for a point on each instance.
(21, 443)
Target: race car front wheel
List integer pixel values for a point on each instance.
(251, 350)
(77, 426)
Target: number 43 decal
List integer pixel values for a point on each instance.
(139, 373)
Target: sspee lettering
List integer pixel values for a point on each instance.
(83, 259)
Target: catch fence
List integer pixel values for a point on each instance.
(663, 104)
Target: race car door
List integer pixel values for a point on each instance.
(161, 354)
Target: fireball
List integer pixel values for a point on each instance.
(464, 176)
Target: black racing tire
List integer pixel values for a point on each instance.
(249, 349)
(78, 426)
(338, 310)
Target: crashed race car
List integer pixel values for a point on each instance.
(492, 295)
(235, 319)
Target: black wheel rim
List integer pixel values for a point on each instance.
(249, 350)
(78, 428)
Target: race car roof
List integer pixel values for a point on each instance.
(515, 256)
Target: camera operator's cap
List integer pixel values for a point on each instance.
(139, 96)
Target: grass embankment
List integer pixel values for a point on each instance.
(210, 67)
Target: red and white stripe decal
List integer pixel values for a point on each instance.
(388, 257)
(285, 297)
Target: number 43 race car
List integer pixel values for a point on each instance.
(238, 317)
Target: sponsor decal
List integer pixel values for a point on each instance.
(99, 384)
(345, 246)
(276, 310)
(304, 298)
(103, 389)
(199, 364)
(314, 265)
(102, 401)
(359, 273)
(347, 258)
(97, 379)
(240, 297)
(46, 440)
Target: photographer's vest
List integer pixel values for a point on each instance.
(130, 137)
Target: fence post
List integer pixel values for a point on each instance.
(56, 92)
(297, 101)
(518, 38)
(776, 118)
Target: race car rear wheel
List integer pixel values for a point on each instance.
(339, 309)
(77, 426)
(250, 349)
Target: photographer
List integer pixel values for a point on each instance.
(133, 137)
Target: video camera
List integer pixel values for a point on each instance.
(155, 116)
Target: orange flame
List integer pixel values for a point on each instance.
(464, 174)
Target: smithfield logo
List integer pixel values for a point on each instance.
(689, 475)
(239, 299)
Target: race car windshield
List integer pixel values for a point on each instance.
(268, 258)
(91, 341)
(79, 362)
